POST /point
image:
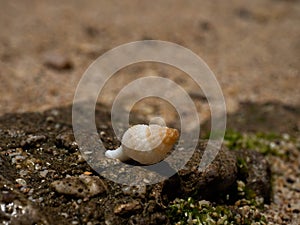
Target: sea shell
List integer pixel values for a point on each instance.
(146, 144)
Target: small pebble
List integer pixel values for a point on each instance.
(66, 141)
(80, 159)
(64, 215)
(87, 173)
(57, 61)
(135, 191)
(44, 173)
(81, 187)
(33, 140)
(130, 207)
(21, 181)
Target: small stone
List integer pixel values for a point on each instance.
(146, 180)
(127, 208)
(87, 173)
(66, 141)
(44, 173)
(102, 134)
(135, 191)
(203, 202)
(25, 189)
(21, 181)
(57, 61)
(82, 186)
(33, 140)
(50, 119)
(37, 166)
(23, 173)
(65, 215)
(80, 159)
(286, 136)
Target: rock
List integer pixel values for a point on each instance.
(21, 181)
(135, 191)
(256, 174)
(127, 208)
(43, 173)
(57, 61)
(67, 141)
(217, 177)
(81, 187)
(33, 140)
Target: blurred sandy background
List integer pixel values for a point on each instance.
(253, 47)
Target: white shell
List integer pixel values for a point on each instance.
(145, 144)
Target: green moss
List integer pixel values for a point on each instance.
(261, 142)
(242, 189)
(248, 196)
(242, 167)
(188, 211)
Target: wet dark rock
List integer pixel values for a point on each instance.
(216, 177)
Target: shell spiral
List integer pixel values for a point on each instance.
(145, 144)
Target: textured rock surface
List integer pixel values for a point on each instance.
(257, 174)
(217, 177)
(82, 186)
